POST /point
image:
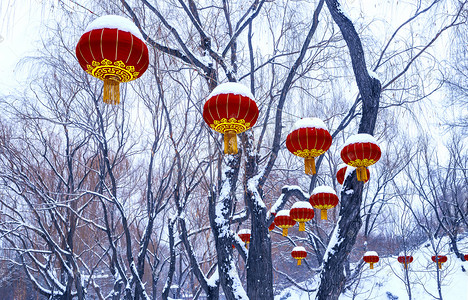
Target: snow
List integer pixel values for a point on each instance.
(374, 75)
(302, 204)
(114, 21)
(323, 189)
(279, 202)
(371, 253)
(309, 123)
(299, 248)
(232, 88)
(213, 280)
(360, 138)
(284, 212)
(335, 241)
(244, 231)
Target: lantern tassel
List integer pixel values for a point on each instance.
(440, 264)
(309, 164)
(111, 91)
(364, 174)
(371, 265)
(406, 266)
(323, 214)
(285, 232)
(301, 226)
(230, 142)
(299, 262)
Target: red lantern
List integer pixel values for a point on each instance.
(360, 151)
(323, 198)
(405, 260)
(272, 225)
(340, 175)
(371, 257)
(284, 221)
(439, 259)
(299, 253)
(112, 49)
(302, 212)
(309, 139)
(466, 257)
(230, 110)
(244, 235)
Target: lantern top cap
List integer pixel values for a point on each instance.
(371, 253)
(115, 22)
(232, 88)
(323, 189)
(309, 123)
(360, 138)
(284, 212)
(302, 204)
(299, 248)
(244, 231)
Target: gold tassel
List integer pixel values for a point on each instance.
(371, 265)
(230, 142)
(406, 267)
(285, 232)
(299, 262)
(323, 214)
(301, 226)
(440, 264)
(309, 164)
(364, 174)
(111, 91)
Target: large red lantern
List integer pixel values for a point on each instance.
(284, 221)
(299, 253)
(244, 235)
(302, 212)
(439, 259)
(230, 110)
(309, 139)
(405, 260)
(371, 257)
(342, 169)
(323, 198)
(112, 49)
(360, 151)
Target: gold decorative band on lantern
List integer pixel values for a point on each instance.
(309, 153)
(117, 70)
(224, 125)
(362, 163)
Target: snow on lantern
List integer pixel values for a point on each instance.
(360, 151)
(230, 110)
(342, 169)
(439, 259)
(405, 260)
(112, 49)
(299, 253)
(371, 257)
(323, 198)
(284, 221)
(244, 235)
(309, 139)
(302, 212)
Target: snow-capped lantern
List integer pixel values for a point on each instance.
(309, 139)
(299, 253)
(360, 151)
(340, 175)
(323, 198)
(112, 49)
(405, 260)
(439, 259)
(284, 221)
(230, 110)
(371, 257)
(302, 212)
(244, 235)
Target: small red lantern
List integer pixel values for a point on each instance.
(299, 253)
(309, 139)
(302, 212)
(113, 50)
(284, 221)
(371, 257)
(360, 151)
(340, 175)
(405, 260)
(439, 259)
(323, 198)
(244, 235)
(230, 110)
(272, 225)
(466, 257)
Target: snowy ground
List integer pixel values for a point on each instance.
(383, 282)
